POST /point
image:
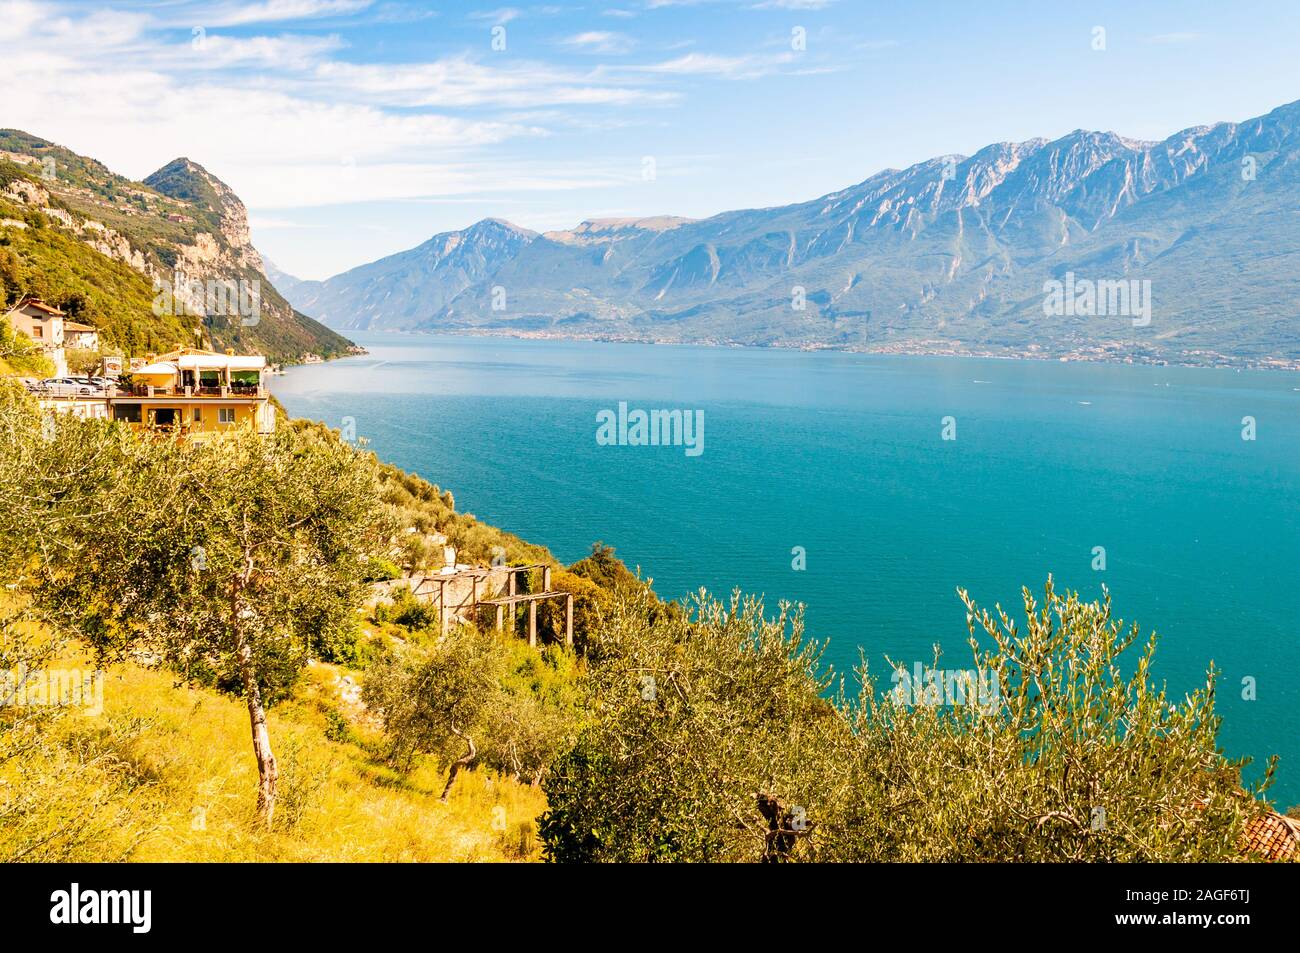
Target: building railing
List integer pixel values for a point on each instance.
(250, 391)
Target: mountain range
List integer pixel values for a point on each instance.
(404, 289)
(956, 253)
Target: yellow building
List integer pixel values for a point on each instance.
(196, 392)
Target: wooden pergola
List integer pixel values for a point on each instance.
(478, 576)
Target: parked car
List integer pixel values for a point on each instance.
(69, 387)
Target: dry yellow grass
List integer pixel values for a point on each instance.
(188, 755)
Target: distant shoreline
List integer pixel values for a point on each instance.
(1095, 355)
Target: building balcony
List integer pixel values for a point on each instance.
(223, 392)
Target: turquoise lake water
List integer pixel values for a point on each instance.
(842, 454)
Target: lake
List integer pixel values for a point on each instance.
(843, 457)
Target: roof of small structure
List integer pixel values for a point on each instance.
(236, 362)
(39, 305)
(1273, 836)
(193, 358)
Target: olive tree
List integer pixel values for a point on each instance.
(1063, 748)
(58, 802)
(439, 702)
(476, 698)
(228, 559)
(717, 735)
(710, 739)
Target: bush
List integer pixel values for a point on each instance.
(406, 610)
(694, 713)
(713, 737)
(475, 698)
(379, 569)
(82, 361)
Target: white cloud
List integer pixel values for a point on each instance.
(268, 222)
(289, 123)
(707, 64)
(242, 14)
(793, 4)
(503, 15)
(25, 21)
(273, 148)
(305, 185)
(600, 41)
(461, 82)
(214, 52)
(302, 128)
(18, 19)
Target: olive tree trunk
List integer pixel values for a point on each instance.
(267, 773)
(459, 763)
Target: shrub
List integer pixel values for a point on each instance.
(379, 569)
(713, 737)
(475, 698)
(406, 610)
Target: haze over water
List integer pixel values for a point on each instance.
(842, 454)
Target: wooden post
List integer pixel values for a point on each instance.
(568, 620)
(532, 622)
(442, 605)
(511, 587)
(546, 579)
(500, 618)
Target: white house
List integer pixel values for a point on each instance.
(49, 330)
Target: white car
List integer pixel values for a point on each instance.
(69, 387)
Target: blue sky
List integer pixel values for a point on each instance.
(357, 128)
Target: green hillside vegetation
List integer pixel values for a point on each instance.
(222, 587)
(176, 181)
(157, 219)
(87, 188)
(163, 774)
(43, 262)
(718, 735)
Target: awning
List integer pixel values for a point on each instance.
(153, 369)
(213, 362)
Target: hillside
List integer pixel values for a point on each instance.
(170, 763)
(161, 773)
(949, 255)
(94, 243)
